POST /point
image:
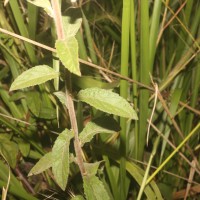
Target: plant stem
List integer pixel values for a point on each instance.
(123, 180)
(134, 73)
(144, 75)
(24, 180)
(70, 103)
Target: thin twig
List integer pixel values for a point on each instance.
(173, 153)
(15, 119)
(191, 177)
(176, 125)
(172, 145)
(28, 40)
(173, 17)
(24, 180)
(154, 107)
(164, 171)
(197, 112)
(80, 60)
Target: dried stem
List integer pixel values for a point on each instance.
(24, 180)
(176, 127)
(81, 60)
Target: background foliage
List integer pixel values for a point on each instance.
(148, 53)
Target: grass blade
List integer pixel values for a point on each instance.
(144, 75)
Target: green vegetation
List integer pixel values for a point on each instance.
(99, 99)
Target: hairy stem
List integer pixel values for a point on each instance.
(70, 103)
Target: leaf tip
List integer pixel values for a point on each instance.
(78, 73)
(135, 117)
(30, 174)
(12, 88)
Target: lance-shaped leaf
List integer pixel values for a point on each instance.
(67, 51)
(91, 168)
(45, 4)
(60, 153)
(71, 26)
(94, 188)
(107, 101)
(90, 130)
(43, 164)
(34, 76)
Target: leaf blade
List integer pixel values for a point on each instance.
(90, 130)
(108, 102)
(94, 188)
(67, 51)
(60, 153)
(43, 164)
(45, 4)
(70, 29)
(9, 149)
(34, 76)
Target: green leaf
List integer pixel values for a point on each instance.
(71, 26)
(45, 4)
(91, 168)
(34, 102)
(4, 72)
(94, 188)
(60, 153)
(24, 147)
(43, 164)
(107, 101)
(37, 106)
(9, 149)
(17, 96)
(166, 190)
(84, 82)
(90, 130)
(152, 192)
(77, 197)
(34, 76)
(15, 186)
(47, 112)
(61, 96)
(67, 51)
